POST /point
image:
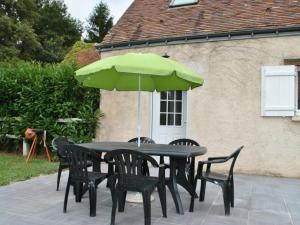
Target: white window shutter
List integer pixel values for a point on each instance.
(278, 90)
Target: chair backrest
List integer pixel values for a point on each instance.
(234, 156)
(144, 140)
(58, 143)
(78, 157)
(129, 163)
(184, 141)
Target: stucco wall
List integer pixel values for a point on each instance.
(225, 112)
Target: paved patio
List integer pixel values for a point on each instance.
(259, 201)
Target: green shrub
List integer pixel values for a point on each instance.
(79, 46)
(37, 95)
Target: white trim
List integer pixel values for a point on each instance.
(187, 116)
(151, 114)
(278, 108)
(162, 133)
(297, 112)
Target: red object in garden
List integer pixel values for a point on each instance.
(32, 134)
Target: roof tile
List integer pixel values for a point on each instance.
(153, 19)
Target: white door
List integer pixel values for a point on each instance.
(169, 116)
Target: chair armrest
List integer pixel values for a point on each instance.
(209, 163)
(163, 166)
(213, 161)
(219, 157)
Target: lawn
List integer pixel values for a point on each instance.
(14, 168)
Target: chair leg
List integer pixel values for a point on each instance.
(110, 172)
(226, 198)
(114, 208)
(78, 191)
(58, 177)
(114, 204)
(146, 171)
(93, 199)
(121, 200)
(161, 160)
(66, 196)
(193, 195)
(147, 207)
(232, 193)
(162, 197)
(202, 190)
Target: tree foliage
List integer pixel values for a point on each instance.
(99, 23)
(36, 30)
(57, 31)
(17, 36)
(36, 96)
(78, 47)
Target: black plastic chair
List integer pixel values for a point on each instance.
(190, 161)
(225, 181)
(57, 144)
(129, 177)
(79, 175)
(144, 140)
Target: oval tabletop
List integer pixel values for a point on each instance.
(151, 149)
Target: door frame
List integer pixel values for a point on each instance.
(151, 114)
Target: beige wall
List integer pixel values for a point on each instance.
(225, 112)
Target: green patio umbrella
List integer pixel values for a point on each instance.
(138, 72)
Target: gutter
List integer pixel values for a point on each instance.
(201, 38)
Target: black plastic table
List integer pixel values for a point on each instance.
(177, 154)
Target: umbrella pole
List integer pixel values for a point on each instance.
(139, 113)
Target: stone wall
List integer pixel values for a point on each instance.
(225, 113)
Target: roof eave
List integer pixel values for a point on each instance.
(208, 37)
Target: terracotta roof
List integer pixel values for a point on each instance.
(153, 19)
(87, 56)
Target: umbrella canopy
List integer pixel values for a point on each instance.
(138, 71)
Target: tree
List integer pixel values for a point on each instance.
(17, 37)
(99, 23)
(39, 30)
(57, 31)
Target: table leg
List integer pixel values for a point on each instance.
(97, 163)
(192, 171)
(78, 191)
(172, 185)
(181, 177)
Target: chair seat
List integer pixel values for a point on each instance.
(96, 176)
(65, 163)
(214, 176)
(139, 184)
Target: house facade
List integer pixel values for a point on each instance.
(248, 53)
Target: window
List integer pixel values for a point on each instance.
(171, 108)
(278, 90)
(175, 3)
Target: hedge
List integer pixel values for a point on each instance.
(37, 95)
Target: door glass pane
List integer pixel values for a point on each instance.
(170, 106)
(163, 119)
(163, 106)
(170, 119)
(171, 95)
(178, 107)
(178, 119)
(178, 95)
